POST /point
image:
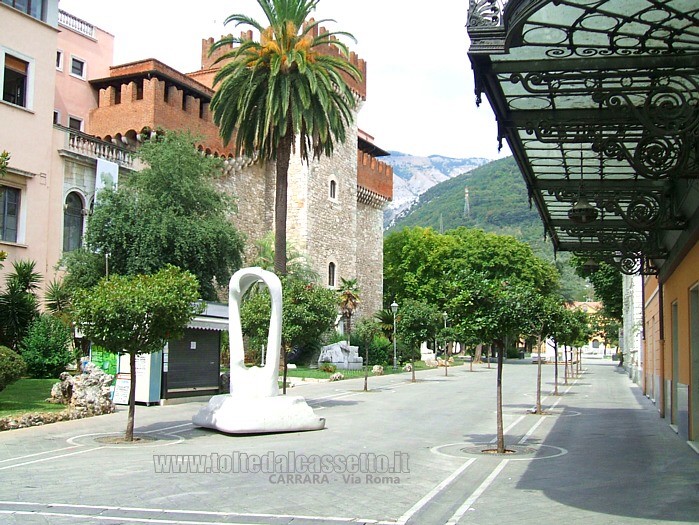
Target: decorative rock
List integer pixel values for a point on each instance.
(337, 377)
(88, 392)
(377, 370)
(431, 363)
(408, 368)
(341, 355)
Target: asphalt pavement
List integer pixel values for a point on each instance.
(403, 453)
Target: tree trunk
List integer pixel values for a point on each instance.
(488, 353)
(128, 436)
(555, 369)
(446, 359)
(538, 376)
(501, 436)
(280, 204)
(579, 361)
(366, 366)
(478, 353)
(412, 368)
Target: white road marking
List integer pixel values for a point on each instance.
(531, 431)
(512, 425)
(16, 458)
(477, 494)
(431, 494)
(112, 508)
(49, 458)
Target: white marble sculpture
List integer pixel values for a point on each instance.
(254, 404)
(342, 355)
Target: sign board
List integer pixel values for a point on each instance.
(121, 390)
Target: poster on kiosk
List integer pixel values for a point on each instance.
(148, 377)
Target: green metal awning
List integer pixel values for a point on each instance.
(599, 102)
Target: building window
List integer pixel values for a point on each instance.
(34, 8)
(72, 222)
(331, 274)
(15, 81)
(77, 67)
(9, 213)
(75, 123)
(56, 117)
(333, 190)
(59, 60)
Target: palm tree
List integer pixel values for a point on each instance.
(18, 302)
(385, 319)
(349, 299)
(284, 87)
(297, 264)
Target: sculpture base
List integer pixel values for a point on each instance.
(241, 415)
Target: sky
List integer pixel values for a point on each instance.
(420, 96)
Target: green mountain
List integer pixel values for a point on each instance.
(497, 202)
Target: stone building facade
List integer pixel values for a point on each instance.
(335, 208)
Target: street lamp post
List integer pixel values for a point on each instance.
(446, 355)
(394, 309)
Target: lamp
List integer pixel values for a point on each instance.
(446, 355)
(582, 211)
(394, 309)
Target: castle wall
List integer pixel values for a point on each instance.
(330, 223)
(369, 258)
(252, 186)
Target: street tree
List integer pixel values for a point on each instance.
(137, 315)
(367, 330)
(417, 322)
(168, 213)
(284, 87)
(539, 314)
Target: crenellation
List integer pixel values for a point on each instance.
(106, 97)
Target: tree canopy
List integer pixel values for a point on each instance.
(168, 213)
(137, 315)
(308, 310)
(422, 264)
(607, 283)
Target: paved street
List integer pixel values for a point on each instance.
(601, 455)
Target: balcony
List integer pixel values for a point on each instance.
(76, 24)
(94, 148)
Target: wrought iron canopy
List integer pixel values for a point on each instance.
(599, 102)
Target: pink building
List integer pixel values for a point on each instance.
(84, 52)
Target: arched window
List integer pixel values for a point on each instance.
(72, 222)
(331, 274)
(333, 189)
